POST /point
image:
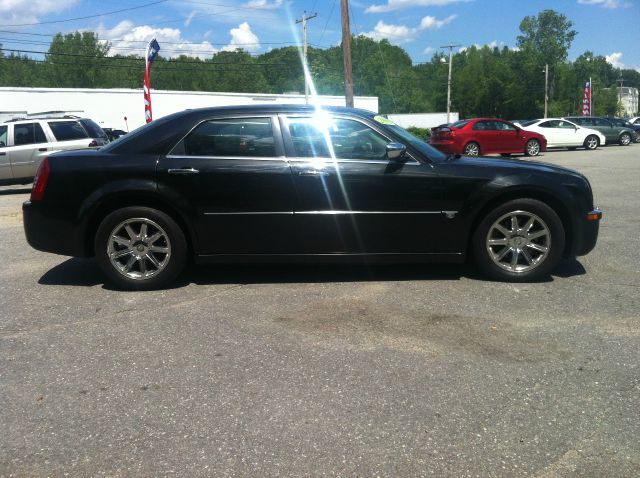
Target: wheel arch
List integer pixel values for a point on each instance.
(544, 196)
(113, 202)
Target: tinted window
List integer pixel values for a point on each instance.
(460, 124)
(230, 137)
(28, 133)
(67, 130)
(601, 122)
(501, 126)
(349, 139)
(549, 124)
(529, 123)
(484, 126)
(94, 130)
(3, 136)
(566, 125)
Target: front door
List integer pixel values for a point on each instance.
(5, 164)
(232, 177)
(351, 198)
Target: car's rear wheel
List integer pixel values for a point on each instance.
(625, 139)
(472, 149)
(520, 241)
(532, 148)
(140, 248)
(591, 142)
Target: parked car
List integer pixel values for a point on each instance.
(565, 134)
(627, 124)
(113, 134)
(290, 183)
(486, 136)
(614, 133)
(634, 120)
(24, 143)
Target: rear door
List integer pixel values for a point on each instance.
(351, 198)
(29, 147)
(231, 176)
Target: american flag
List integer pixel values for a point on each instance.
(152, 51)
(586, 100)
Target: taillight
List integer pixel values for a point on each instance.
(40, 181)
(93, 144)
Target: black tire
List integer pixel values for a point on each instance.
(532, 148)
(472, 149)
(591, 142)
(573, 148)
(625, 139)
(485, 254)
(149, 255)
(505, 155)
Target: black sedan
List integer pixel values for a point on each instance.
(294, 183)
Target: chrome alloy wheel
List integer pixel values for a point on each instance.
(472, 149)
(533, 148)
(592, 142)
(139, 248)
(518, 242)
(625, 139)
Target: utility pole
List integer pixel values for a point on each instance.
(546, 87)
(303, 20)
(346, 54)
(621, 80)
(450, 47)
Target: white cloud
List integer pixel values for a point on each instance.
(14, 12)
(403, 4)
(127, 39)
(263, 4)
(429, 50)
(404, 34)
(243, 37)
(605, 3)
(614, 59)
(429, 22)
(394, 33)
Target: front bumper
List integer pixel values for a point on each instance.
(48, 233)
(587, 233)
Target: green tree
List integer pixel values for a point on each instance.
(76, 60)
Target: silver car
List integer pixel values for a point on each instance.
(25, 142)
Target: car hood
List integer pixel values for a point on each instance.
(518, 165)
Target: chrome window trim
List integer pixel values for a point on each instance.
(449, 214)
(235, 158)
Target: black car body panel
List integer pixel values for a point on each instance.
(423, 207)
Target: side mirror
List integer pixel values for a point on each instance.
(395, 151)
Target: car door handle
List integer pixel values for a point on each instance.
(3, 154)
(42, 149)
(183, 171)
(313, 172)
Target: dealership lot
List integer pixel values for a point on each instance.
(349, 371)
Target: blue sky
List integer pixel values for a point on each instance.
(201, 27)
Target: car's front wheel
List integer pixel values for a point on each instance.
(520, 241)
(140, 248)
(532, 148)
(472, 149)
(591, 142)
(625, 139)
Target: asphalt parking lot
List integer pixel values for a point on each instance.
(328, 371)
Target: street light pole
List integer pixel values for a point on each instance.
(546, 88)
(346, 54)
(450, 47)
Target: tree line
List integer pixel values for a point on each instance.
(487, 81)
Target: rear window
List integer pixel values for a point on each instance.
(94, 130)
(460, 124)
(67, 130)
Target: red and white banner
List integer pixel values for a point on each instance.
(586, 100)
(152, 51)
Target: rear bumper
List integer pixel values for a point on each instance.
(47, 233)
(587, 234)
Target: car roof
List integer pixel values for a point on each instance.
(278, 108)
(33, 120)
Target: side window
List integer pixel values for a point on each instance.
(484, 126)
(3, 136)
(251, 137)
(565, 124)
(601, 122)
(501, 126)
(548, 124)
(28, 133)
(67, 130)
(349, 139)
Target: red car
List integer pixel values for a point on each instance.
(486, 136)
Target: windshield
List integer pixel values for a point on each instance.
(424, 148)
(529, 123)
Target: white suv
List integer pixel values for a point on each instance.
(25, 142)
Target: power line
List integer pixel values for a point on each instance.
(87, 16)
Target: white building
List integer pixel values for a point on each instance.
(110, 107)
(422, 120)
